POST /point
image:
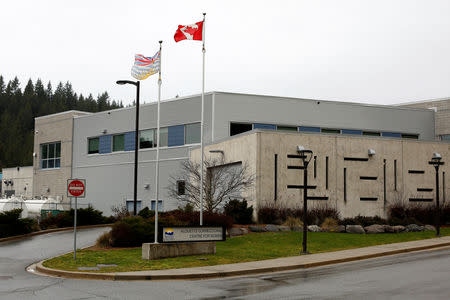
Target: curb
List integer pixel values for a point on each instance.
(19, 237)
(205, 273)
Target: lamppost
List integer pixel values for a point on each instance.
(136, 140)
(306, 156)
(436, 162)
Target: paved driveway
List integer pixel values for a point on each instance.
(423, 275)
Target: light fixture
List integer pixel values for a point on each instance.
(436, 156)
(147, 186)
(104, 131)
(371, 152)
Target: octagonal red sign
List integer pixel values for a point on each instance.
(75, 187)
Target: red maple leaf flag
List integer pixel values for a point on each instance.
(189, 32)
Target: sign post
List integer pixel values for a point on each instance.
(76, 188)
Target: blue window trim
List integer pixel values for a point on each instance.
(391, 134)
(264, 126)
(351, 131)
(175, 136)
(308, 129)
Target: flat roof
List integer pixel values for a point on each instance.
(63, 113)
(263, 96)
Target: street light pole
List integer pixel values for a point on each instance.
(436, 162)
(136, 140)
(306, 156)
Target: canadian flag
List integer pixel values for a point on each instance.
(189, 32)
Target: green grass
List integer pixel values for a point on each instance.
(251, 247)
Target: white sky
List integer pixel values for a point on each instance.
(379, 51)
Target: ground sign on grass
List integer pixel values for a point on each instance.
(250, 247)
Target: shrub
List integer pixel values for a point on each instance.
(146, 213)
(11, 224)
(104, 241)
(363, 221)
(132, 232)
(401, 213)
(329, 223)
(239, 211)
(85, 216)
(120, 212)
(292, 222)
(277, 214)
(181, 217)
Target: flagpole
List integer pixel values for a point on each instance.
(157, 145)
(202, 125)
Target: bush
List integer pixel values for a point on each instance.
(277, 214)
(329, 223)
(85, 216)
(292, 222)
(146, 213)
(363, 221)
(401, 213)
(185, 218)
(11, 224)
(239, 211)
(132, 232)
(104, 241)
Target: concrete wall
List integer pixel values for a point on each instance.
(365, 179)
(442, 115)
(230, 107)
(53, 128)
(22, 178)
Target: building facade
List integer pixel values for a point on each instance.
(52, 156)
(103, 148)
(359, 175)
(17, 181)
(441, 107)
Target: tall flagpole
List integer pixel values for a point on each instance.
(157, 145)
(202, 125)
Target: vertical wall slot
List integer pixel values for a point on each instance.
(315, 166)
(275, 178)
(443, 187)
(345, 185)
(395, 175)
(326, 172)
(384, 183)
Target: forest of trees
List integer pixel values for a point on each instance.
(19, 108)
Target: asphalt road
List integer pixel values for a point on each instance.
(422, 275)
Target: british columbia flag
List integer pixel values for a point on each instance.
(145, 66)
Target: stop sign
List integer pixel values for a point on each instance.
(76, 187)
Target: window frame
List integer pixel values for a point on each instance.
(55, 159)
(112, 142)
(98, 146)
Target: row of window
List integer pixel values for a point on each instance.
(51, 155)
(236, 128)
(171, 136)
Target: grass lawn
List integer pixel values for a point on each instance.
(251, 247)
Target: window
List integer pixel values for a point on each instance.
(351, 131)
(309, 129)
(160, 206)
(181, 187)
(119, 142)
(147, 139)
(236, 128)
(371, 133)
(391, 134)
(130, 205)
(163, 137)
(264, 126)
(410, 136)
(287, 128)
(330, 130)
(51, 155)
(445, 137)
(93, 145)
(192, 135)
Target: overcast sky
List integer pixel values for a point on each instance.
(379, 52)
